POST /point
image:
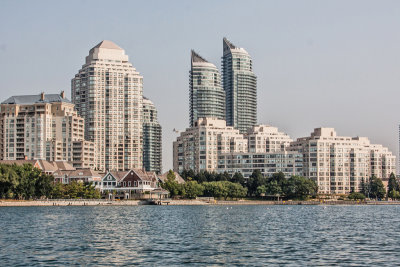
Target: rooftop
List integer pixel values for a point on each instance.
(32, 99)
(228, 46)
(197, 58)
(108, 45)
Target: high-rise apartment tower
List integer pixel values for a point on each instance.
(240, 85)
(107, 92)
(207, 98)
(152, 145)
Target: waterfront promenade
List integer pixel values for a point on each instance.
(185, 202)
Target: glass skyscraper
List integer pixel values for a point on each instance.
(240, 85)
(152, 145)
(207, 98)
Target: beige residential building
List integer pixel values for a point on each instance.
(338, 164)
(83, 156)
(268, 163)
(107, 92)
(212, 146)
(41, 127)
(198, 147)
(267, 139)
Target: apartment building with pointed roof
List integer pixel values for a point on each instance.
(207, 98)
(240, 85)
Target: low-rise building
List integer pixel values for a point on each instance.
(47, 167)
(128, 184)
(78, 175)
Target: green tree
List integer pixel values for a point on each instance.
(262, 189)
(273, 188)
(201, 177)
(24, 182)
(363, 187)
(58, 191)
(188, 174)
(235, 190)
(238, 178)
(8, 181)
(377, 189)
(172, 185)
(255, 180)
(192, 189)
(300, 188)
(393, 185)
(44, 186)
(222, 177)
(73, 190)
(356, 196)
(210, 176)
(279, 178)
(394, 194)
(216, 189)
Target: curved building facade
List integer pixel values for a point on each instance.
(207, 98)
(240, 85)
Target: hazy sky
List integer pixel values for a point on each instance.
(318, 63)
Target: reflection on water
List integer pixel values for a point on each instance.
(202, 235)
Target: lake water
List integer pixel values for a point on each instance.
(200, 235)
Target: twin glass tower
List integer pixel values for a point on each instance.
(234, 99)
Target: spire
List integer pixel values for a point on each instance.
(227, 44)
(197, 58)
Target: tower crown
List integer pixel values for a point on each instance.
(107, 50)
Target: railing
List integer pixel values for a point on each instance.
(75, 200)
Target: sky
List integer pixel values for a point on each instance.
(318, 63)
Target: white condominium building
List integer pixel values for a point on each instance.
(265, 138)
(107, 92)
(211, 145)
(198, 147)
(289, 163)
(338, 164)
(43, 127)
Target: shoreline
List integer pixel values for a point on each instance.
(65, 203)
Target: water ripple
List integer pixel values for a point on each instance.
(200, 236)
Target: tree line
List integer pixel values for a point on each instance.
(27, 182)
(222, 185)
(258, 186)
(374, 188)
